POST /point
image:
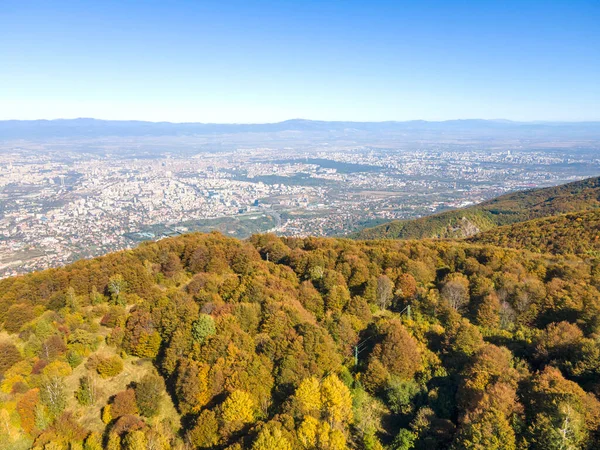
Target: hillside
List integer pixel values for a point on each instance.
(208, 342)
(573, 233)
(504, 210)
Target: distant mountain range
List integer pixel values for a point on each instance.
(90, 128)
(507, 209)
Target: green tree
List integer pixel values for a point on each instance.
(53, 395)
(404, 440)
(116, 288)
(148, 393)
(203, 327)
(87, 392)
(489, 430)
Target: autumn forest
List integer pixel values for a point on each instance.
(208, 342)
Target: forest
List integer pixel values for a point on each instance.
(573, 233)
(207, 342)
(512, 208)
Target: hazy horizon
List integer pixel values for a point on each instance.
(303, 119)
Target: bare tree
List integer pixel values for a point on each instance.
(456, 293)
(385, 288)
(52, 394)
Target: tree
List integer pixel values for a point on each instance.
(203, 327)
(93, 442)
(141, 338)
(489, 430)
(337, 400)
(109, 367)
(53, 395)
(406, 286)
(562, 413)
(398, 351)
(238, 407)
(9, 355)
(87, 392)
(385, 289)
(456, 292)
(404, 440)
(563, 430)
(124, 404)
(148, 393)
(170, 264)
(26, 407)
(308, 396)
(17, 316)
(271, 438)
(308, 432)
(488, 311)
(316, 434)
(114, 442)
(205, 433)
(71, 300)
(116, 288)
(400, 395)
(192, 386)
(135, 440)
(337, 298)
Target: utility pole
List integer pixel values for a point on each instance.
(407, 310)
(358, 348)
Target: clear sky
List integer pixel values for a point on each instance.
(263, 61)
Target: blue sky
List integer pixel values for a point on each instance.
(262, 61)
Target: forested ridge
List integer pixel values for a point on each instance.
(504, 210)
(573, 233)
(203, 341)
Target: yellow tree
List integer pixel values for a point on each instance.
(93, 442)
(135, 440)
(239, 407)
(307, 432)
(271, 438)
(337, 400)
(308, 396)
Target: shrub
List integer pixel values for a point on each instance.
(109, 367)
(124, 404)
(74, 358)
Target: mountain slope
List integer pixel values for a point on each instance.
(310, 347)
(574, 233)
(507, 209)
